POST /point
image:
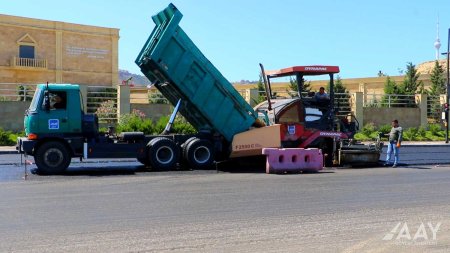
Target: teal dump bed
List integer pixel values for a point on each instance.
(172, 62)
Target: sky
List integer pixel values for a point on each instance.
(361, 37)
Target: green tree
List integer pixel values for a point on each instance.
(260, 84)
(390, 88)
(261, 90)
(411, 81)
(437, 88)
(409, 86)
(339, 86)
(437, 79)
(293, 87)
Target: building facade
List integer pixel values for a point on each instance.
(39, 51)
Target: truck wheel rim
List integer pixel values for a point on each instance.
(53, 157)
(164, 155)
(201, 154)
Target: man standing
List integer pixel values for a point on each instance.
(395, 139)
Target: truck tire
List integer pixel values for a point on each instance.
(163, 153)
(52, 158)
(199, 154)
(187, 142)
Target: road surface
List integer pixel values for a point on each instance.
(346, 210)
(126, 209)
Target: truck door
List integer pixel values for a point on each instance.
(56, 119)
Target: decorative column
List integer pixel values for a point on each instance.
(123, 100)
(421, 101)
(358, 107)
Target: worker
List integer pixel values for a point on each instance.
(57, 102)
(395, 139)
(321, 95)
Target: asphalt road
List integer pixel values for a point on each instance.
(124, 209)
(346, 210)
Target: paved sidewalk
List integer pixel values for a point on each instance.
(8, 150)
(417, 143)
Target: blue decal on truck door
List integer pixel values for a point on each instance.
(53, 124)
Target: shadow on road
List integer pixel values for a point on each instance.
(255, 165)
(414, 167)
(92, 171)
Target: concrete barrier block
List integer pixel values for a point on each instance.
(280, 160)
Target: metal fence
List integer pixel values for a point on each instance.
(16, 92)
(389, 100)
(342, 103)
(102, 100)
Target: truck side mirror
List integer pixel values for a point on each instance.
(47, 101)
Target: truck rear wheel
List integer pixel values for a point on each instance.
(163, 153)
(199, 154)
(52, 157)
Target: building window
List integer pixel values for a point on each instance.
(26, 51)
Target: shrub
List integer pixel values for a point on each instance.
(181, 126)
(435, 129)
(410, 134)
(107, 112)
(161, 124)
(5, 138)
(368, 129)
(361, 137)
(385, 129)
(135, 122)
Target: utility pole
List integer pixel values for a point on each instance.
(448, 86)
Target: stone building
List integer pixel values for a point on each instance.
(38, 51)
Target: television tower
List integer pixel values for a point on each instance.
(437, 43)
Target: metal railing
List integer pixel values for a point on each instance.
(389, 100)
(342, 103)
(102, 100)
(29, 62)
(16, 92)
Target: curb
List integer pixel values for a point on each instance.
(12, 150)
(8, 152)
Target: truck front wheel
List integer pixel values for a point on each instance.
(52, 158)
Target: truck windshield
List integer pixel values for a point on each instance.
(35, 101)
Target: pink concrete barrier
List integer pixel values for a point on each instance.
(280, 160)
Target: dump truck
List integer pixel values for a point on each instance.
(228, 127)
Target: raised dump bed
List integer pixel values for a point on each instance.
(174, 64)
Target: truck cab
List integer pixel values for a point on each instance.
(55, 110)
(56, 127)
